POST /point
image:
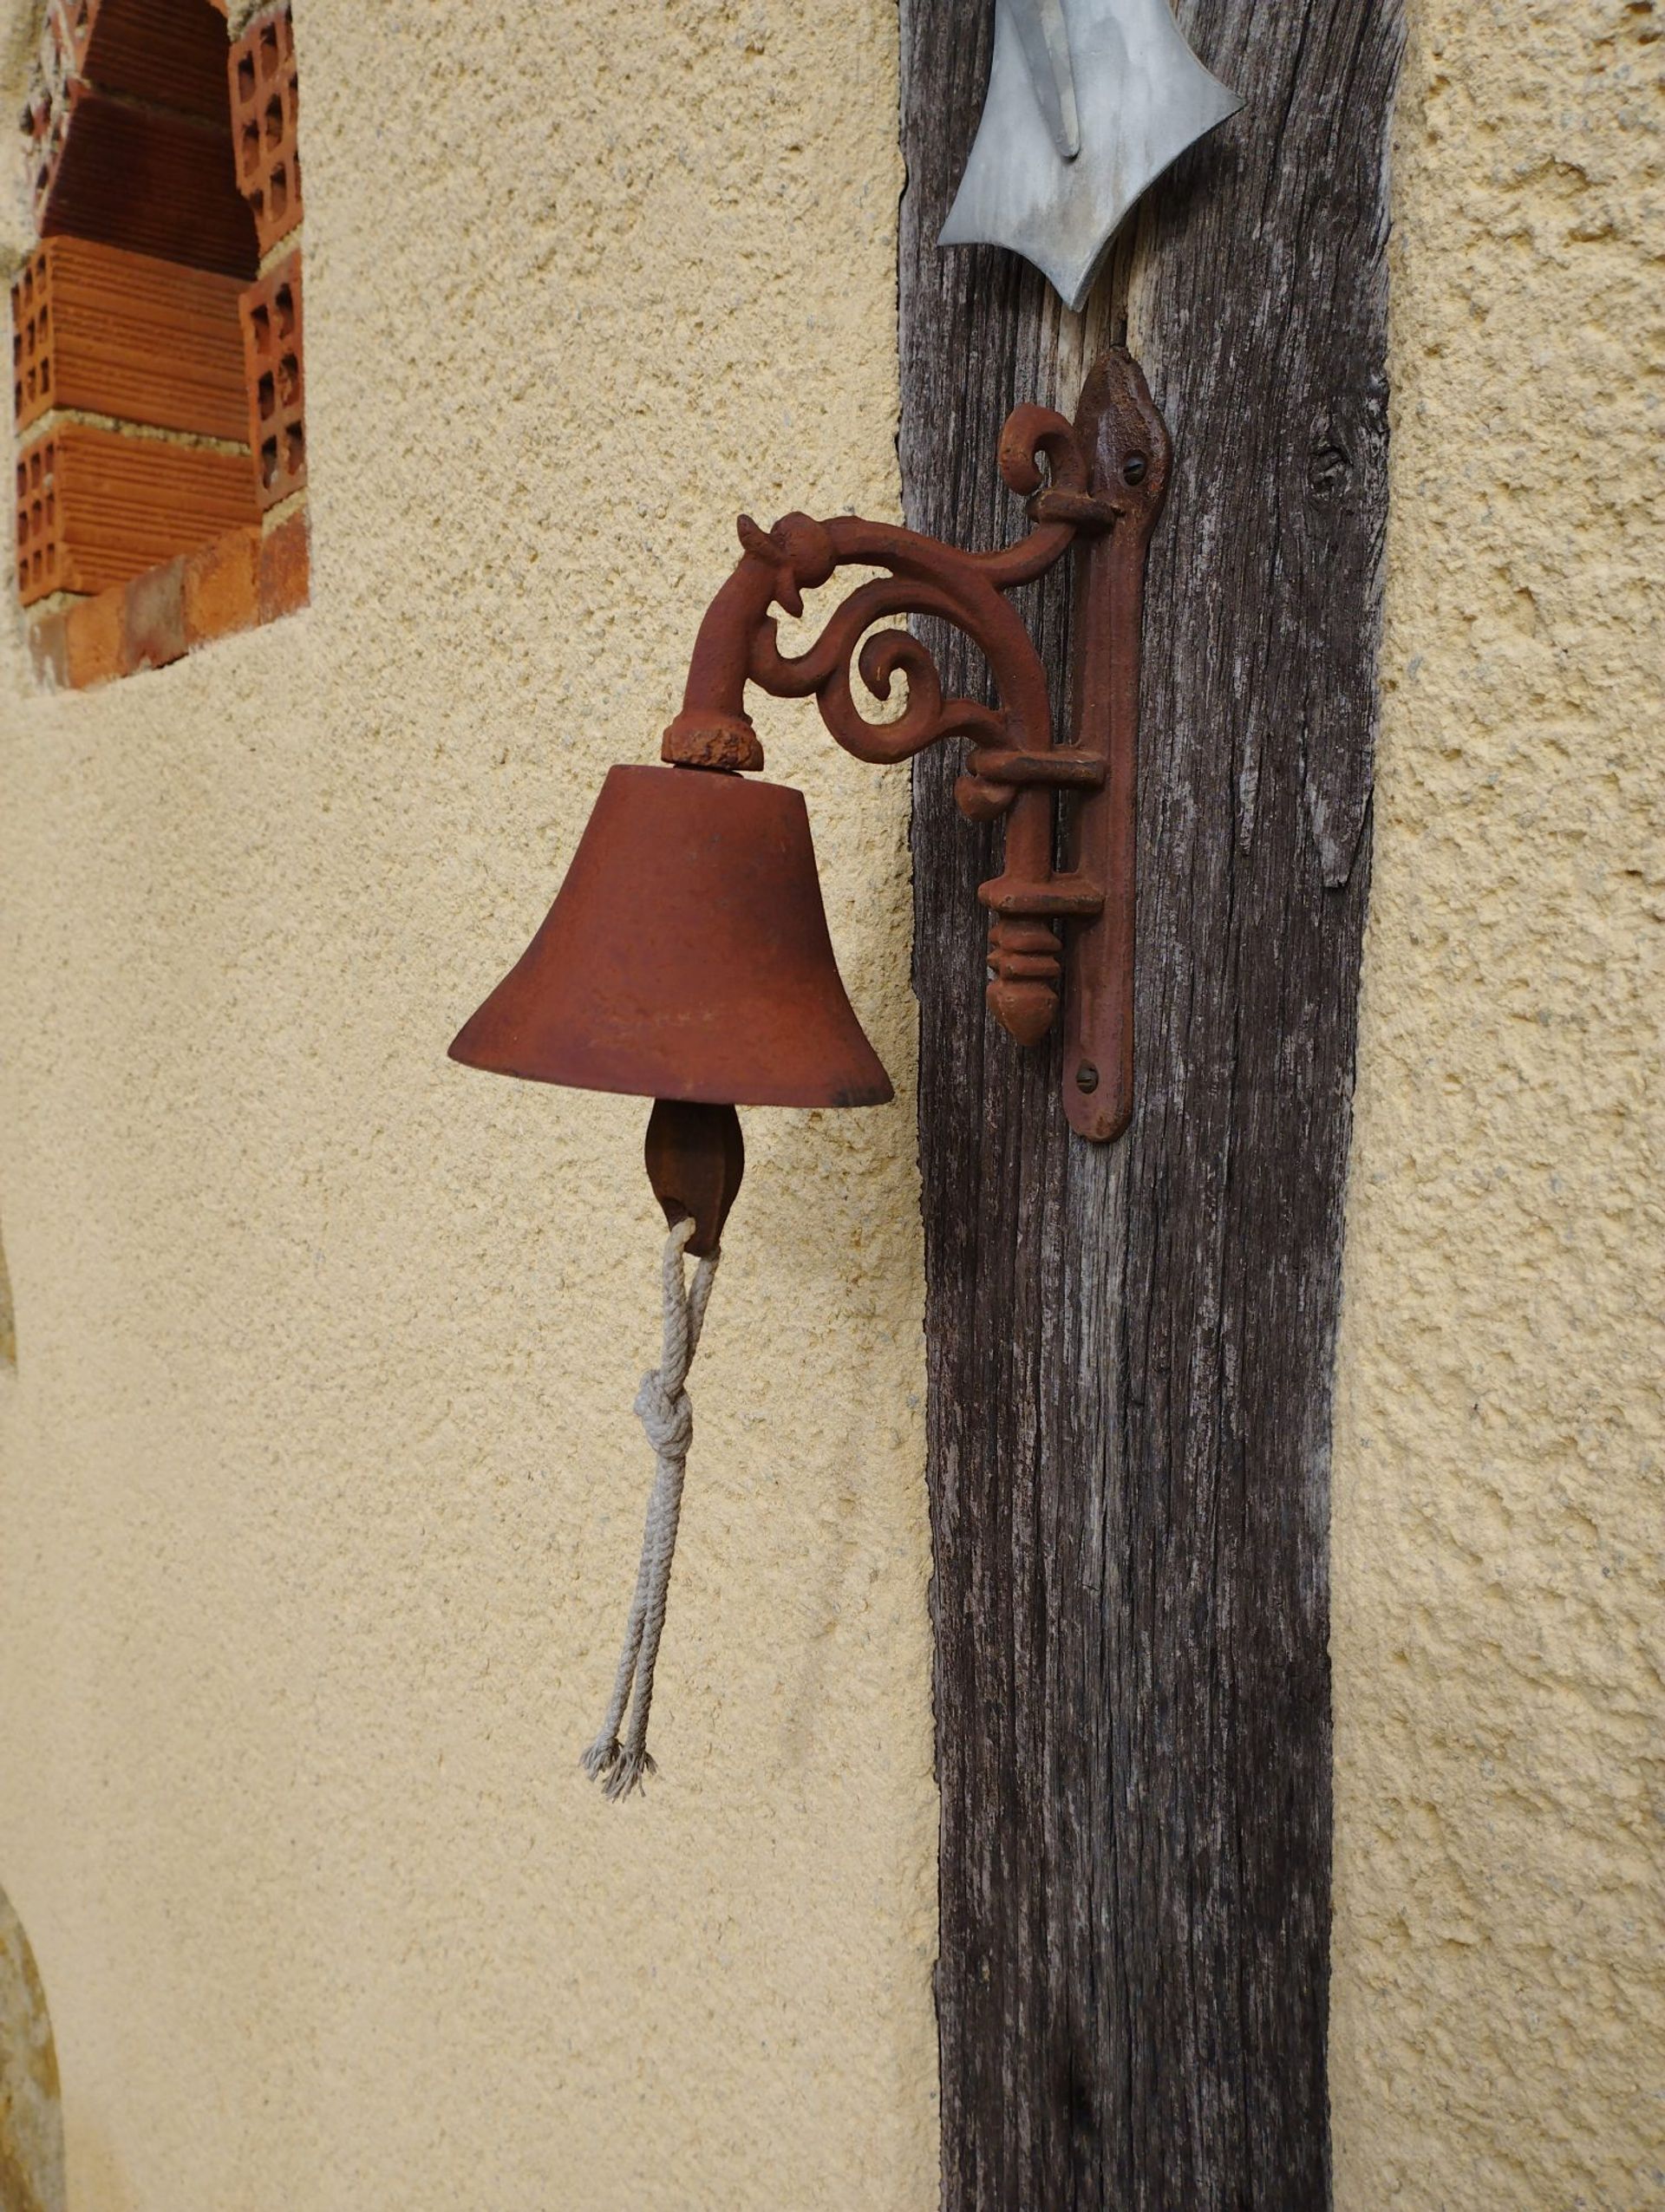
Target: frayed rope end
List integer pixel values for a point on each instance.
(630, 1770)
(601, 1758)
(618, 1772)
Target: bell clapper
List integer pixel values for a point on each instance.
(696, 1156)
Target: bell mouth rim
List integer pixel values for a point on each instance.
(783, 1095)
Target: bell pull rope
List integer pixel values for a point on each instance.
(664, 1410)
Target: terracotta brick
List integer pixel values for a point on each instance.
(148, 178)
(127, 335)
(265, 118)
(154, 50)
(47, 107)
(275, 372)
(222, 586)
(96, 507)
(284, 568)
(155, 618)
(97, 61)
(48, 647)
(39, 546)
(32, 339)
(97, 639)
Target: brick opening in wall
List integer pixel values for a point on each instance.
(157, 371)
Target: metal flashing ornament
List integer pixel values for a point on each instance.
(686, 958)
(1088, 102)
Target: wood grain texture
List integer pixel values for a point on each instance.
(1131, 1347)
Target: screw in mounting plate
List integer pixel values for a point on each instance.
(1086, 1077)
(1133, 469)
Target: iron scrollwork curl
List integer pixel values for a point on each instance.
(1014, 763)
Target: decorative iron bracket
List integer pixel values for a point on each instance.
(1103, 483)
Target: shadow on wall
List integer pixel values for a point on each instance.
(8, 1342)
(31, 2119)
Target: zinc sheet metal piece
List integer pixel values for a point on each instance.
(1141, 98)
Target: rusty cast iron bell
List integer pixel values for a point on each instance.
(686, 959)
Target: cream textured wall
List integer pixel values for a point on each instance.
(1499, 2022)
(319, 1488)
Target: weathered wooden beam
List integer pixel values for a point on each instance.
(1131, 1347)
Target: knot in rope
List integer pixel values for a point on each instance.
(664, 1410)
(668, 1417)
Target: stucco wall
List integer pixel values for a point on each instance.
(319, 1487)
(1499, 2023)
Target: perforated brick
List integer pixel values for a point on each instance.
(131, 140)
(271, 345)
(264, 106)
(46, 109)
(95, 507)
(33, 341)
(39, 549)
(148, 178)
(127, 335)
(154, 50)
